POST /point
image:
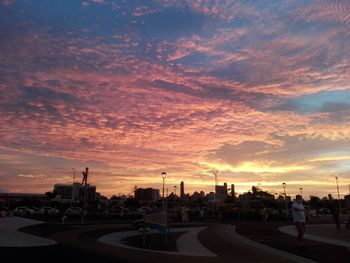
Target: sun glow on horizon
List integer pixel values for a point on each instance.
(252, 167)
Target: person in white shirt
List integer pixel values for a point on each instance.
(299, 217)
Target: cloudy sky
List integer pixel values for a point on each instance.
(259, 90)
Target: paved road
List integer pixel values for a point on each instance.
(82, 240)
(79, 242)
(268, 234)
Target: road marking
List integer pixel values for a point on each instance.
(187, 244)
(275, 251)
(11, 237)
(290, 230)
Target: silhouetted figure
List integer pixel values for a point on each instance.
(299, 218)
(184, 215)
(46, 215)
(264, 212)
(64, 219)
(85, 176)
(335, 215)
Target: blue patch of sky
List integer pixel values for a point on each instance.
(329, 101)
(59, 17)
(195, 58)
(171, 24)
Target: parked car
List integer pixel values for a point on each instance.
(23, 211)
(50, 211)
(4, 211)
(324, 211)
(35, 210)
(118, 210)
(144, 210)
(73, 211)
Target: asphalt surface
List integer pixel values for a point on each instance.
(268, 234)
(79, 243)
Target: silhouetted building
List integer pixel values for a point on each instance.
(233, 190)
(147, 194)
(221, 192)
(6, 197)
(74, 192)
(182, 189)
(210, 196)
(347, 201)
(198, 196)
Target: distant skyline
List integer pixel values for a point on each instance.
(259, 90)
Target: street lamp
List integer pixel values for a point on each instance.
(301, 191)
(163, 175)
(215, 173)
(284, 185)
(336, 179)
(175, 187)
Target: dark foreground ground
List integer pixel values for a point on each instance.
(268, 234)
(78, 243)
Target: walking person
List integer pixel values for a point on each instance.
(335, 215)
(299, 218)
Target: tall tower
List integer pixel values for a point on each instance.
(233, 190)
(182, 189)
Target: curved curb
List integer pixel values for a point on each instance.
(290, 230)
(11, 237)
(272, 250)
(187, 244)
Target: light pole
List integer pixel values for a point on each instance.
(163, 175)
(284, 185)
(215, 172)
(175, 187)
(301, 191)
(336, 179)
(73, 192)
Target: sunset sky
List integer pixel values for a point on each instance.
(259, 90)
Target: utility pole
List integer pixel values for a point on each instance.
(340, 211)
(284, 185)
(215, 172)
(163, 175)
(73, 190)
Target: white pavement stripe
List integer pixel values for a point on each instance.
(187, 245)
(272, 250)
(11, 237)
(290, 230)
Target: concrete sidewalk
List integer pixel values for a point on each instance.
(267, 233)
(322, 233)
(11, 237)
(218, 239)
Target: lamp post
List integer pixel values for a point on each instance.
(73, 192)
(175, 187)
(284, 185)
(163, 175)
(336, 179)
(215, 172)
(301, 191)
